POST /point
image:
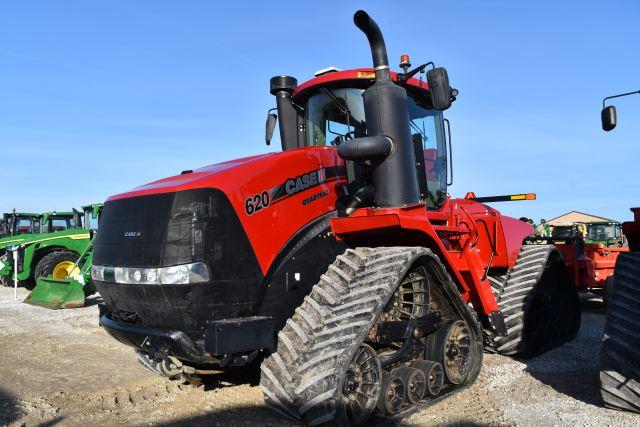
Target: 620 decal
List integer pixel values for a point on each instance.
(257, 202)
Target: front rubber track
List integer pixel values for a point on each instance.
(303, 379)
(620, 351)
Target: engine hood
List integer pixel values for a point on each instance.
(207, 176)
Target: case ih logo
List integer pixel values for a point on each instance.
(302, 182)
(132, 233)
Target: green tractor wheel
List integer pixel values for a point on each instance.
(58, 264)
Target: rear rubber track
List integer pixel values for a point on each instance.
(302, 380)
(620, 352)
(541, 308)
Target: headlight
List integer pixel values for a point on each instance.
(196, 272)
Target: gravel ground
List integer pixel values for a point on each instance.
(60, 367)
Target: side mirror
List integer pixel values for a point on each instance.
(439, 88)
(270, 127)
(609, 118)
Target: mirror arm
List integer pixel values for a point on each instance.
(618, 96)
(403, 77)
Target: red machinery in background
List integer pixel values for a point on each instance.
(590, 256)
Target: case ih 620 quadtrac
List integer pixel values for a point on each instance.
(341, 261)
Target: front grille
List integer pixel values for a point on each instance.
(179, 228)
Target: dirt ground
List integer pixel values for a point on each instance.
(60, 367)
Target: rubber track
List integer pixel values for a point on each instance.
(514, 294)
(301, 380)
(620, 352)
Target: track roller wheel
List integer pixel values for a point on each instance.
(620, 351)
(434, 375)
(393, 394)
(415, 382)
(451, 347)
(540, 305)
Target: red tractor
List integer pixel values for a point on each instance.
(620, 351)
(340, 264)
(590, 251)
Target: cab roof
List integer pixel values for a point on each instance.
(63, 214)
(29, 214)
(359, 77)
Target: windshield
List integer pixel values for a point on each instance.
(603, 232)
(24, 225)
(333, 116)
(562, 232)
(57, 224)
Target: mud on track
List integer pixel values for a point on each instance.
(60, 367)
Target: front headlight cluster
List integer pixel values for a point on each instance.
(196, 272)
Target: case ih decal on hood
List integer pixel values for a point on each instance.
(293, 186)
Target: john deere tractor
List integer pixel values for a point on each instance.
(70, 290)
(21, 226)
(53, 252)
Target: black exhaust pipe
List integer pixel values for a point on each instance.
(378, 49)
(282, 88)
(394, 176)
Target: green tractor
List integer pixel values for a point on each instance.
(68, 290)
(21, 226)
(53, 252)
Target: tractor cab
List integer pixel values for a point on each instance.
(329, 111)
(59, 221)
(607, 233)
(16, 223)
(564, 233)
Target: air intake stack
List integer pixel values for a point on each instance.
(388, 145)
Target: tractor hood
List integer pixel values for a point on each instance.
(280, 191)
(73, 234)
(208, 176)
(14, 240)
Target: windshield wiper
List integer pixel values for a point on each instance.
(342, 107)
(417, 129)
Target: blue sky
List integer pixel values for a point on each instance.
(113, 94)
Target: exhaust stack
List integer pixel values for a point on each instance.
(388, 145)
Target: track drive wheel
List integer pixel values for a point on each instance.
(540, 305)
(620, 351)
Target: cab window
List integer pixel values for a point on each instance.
(333, 116)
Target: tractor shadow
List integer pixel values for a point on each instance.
(92, 300)
(573, 369)
(9, 409)
(256, 414)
